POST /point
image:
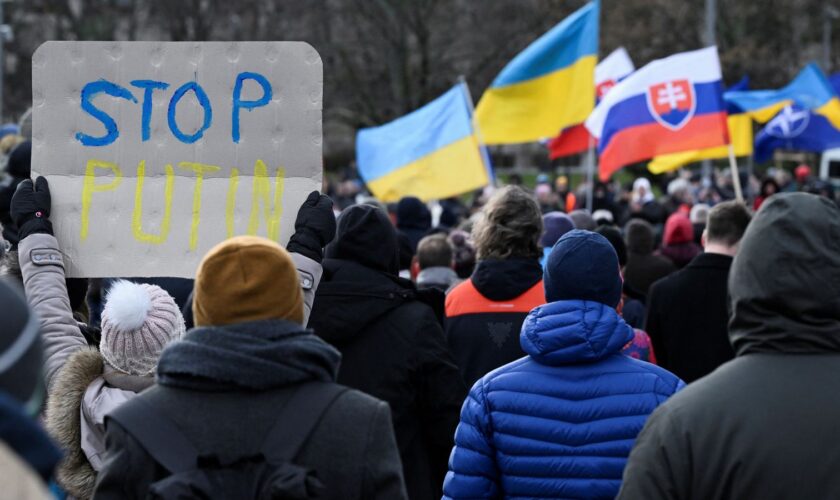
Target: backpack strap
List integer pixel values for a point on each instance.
(298, 418)
(157, 434)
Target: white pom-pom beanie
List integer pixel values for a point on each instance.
(138, 321)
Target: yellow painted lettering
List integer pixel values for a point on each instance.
(137, 216)
(89, 186)
(230, 204)
(199, 169)
(261, 195)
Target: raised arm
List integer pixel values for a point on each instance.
(42, 267)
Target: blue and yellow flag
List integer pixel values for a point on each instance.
(547, 87)
(430, 153)
(810, 89)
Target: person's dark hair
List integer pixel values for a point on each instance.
(727, 223)
(613, 235)
(639, 236)
(767, 182)
(434, 251)
(464, 253)
(510, 226)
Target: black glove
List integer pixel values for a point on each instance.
(314, 227)
(30, 208)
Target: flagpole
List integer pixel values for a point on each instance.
(590, 173)
(482, 148)
(736, 178)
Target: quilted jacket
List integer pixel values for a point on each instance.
(560, 422)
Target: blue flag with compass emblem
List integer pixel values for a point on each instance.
(795, 128)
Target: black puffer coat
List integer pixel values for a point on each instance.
(763, 425)
(392, 344)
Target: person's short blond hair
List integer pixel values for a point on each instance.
(8, 143)
(510, 226)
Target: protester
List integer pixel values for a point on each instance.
(583, 220)
(83, 384)
(391, 342)
(484, 313)
(555, 225)
(249, 362)
(678, 244)
(434, 263)
(560, 422)
(566, 198)
(643, 203)
(769, 187)
(687, 313)
(762, 425)
(699, 217)
(27, 456)
(18, 168)
(413, 220)
(464, 253)
(643, 267)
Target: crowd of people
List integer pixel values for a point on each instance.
(519, 346)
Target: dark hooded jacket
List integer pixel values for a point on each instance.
(223, 387)
(763, 425)
(391, 342)
(485, 313)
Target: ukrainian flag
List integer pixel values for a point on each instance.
(545, 88)
(430, 153)
(810, 89)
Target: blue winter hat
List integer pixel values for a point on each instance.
(583, 266)
(555, 225)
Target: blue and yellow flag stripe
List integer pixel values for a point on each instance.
(430, 153)
(548, 86)
(810, 89)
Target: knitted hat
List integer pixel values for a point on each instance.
(555, 225)
(247, 278)
(583, 266)
(138, 321)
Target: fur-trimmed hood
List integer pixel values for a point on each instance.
(84, 391)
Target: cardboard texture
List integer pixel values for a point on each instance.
(104, 227)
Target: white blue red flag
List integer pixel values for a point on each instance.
(670, 105)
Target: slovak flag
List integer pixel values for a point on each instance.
(670, 105)
(576, 139)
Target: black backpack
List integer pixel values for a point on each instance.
(269, 473)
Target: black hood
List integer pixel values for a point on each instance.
(365, 235)
(26, 438)
(784, 284)
(255, 356)
(350, 297)
(506, 279)
(413, 214)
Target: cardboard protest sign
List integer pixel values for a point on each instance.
(156, 151)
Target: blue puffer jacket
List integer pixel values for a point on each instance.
(560, 422)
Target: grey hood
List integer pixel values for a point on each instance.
(784, 285)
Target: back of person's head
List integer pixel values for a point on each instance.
(639, 236)
(510, 226)
(784, 285)
(555, 225)
(20, 161)
(464, 253)
(413, 213)
(603, 217)
(20, 350)
(613, 235)
(699, 214)
(138, 321)
(365, 235)
(678, 229)
(727, 223)
(583, 266)
(583, 220)
(434, 251)
(247, 278)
